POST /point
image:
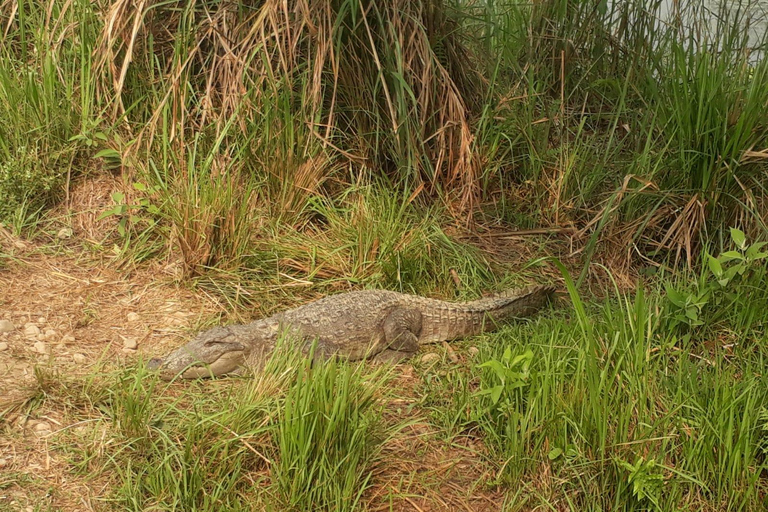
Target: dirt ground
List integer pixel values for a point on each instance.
(68, 311)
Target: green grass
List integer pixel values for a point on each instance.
(569, 111)
(299, 435)
(48, 106)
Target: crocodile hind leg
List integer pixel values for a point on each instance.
(401, 334)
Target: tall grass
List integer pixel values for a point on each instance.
(301, 435)
(618, 120)
(327, 434)
(48, 108)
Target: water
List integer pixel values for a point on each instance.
(702, 16)
(755, 12)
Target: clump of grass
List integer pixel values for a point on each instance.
(298, 433)
(377, 239)
(637, 125)
(382, 86)
(327, 436)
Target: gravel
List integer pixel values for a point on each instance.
(6, 326)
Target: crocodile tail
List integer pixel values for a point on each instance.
(522, 303)
(489, 313)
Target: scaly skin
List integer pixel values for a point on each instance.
(357, 325)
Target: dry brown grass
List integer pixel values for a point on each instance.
(345, 75)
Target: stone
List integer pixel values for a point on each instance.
(430, 358)
(3, 346)
(132, 317)
(41, 320)
(473, 351)
(50, 335)
(6, 326)
(31, 330)
(451, 354)
(130, 343)
(4, 463)
(41, 347)
(79, 358)
(67, 338)
(64, 233)
(42, 427)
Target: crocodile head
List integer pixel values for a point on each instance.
(217, 351)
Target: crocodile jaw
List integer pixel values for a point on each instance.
(211, 354)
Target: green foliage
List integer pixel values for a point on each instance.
(46, 93)
(720, 287)
(646, 480)
(506, 375)
(301, 434)
(131, 405)
(602, 398)
(142, 212)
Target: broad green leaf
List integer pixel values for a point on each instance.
(730, 255)
(715, 266)
(107, 153)
(739, 238)
(674, 296)
(554, 453)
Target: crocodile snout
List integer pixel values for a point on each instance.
(155, 363)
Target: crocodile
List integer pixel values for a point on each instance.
(368, 324)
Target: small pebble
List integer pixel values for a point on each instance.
(41, 347)
(130, 343)
(6, 326)
(31, 330)
(3, 463)
(451, 354)
(132, 317)
(64, 233)
(473, 351)
(430, 358)
(19, 245)
(41, 319)
(79, 358)
(50, 335)
(67, 338)
(3, 346)
(42, 427)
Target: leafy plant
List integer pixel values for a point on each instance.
(142, 212)
(717, 288)
(646, 479)
(508, 374)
